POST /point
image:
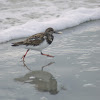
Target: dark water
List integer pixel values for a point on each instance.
(73, 74)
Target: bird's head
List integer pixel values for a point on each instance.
(51, 31)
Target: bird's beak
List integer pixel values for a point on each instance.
(58, 32)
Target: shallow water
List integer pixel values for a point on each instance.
(73, 74)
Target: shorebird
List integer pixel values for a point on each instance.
(37, 42)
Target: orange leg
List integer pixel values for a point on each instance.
(46, 55)
(25, 55)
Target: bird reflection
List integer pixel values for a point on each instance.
(43, 80)
(41, 67)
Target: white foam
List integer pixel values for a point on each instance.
(43, 98)
(89, 85)
(66, 20)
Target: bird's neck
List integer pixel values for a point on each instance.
(49, 38)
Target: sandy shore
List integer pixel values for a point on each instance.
(73, 74)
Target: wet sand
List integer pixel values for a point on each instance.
(73, 74)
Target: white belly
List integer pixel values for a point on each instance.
(39, 47)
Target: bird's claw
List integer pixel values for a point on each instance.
(50, 56)
(23, 58)
(46, 55)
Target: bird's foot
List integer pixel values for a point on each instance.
(23, 57)
(47, 55)
(50, 56)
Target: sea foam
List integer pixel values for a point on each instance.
(67, 19)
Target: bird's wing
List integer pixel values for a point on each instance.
(35, 39)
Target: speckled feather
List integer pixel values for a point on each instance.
(36, 39)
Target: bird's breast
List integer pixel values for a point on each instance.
(39, 47)
(49, 39)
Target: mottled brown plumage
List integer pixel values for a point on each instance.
(37, 39)
(32, 40)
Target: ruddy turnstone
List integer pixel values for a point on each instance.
(37, 42)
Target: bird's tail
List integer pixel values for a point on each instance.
(17, 43)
